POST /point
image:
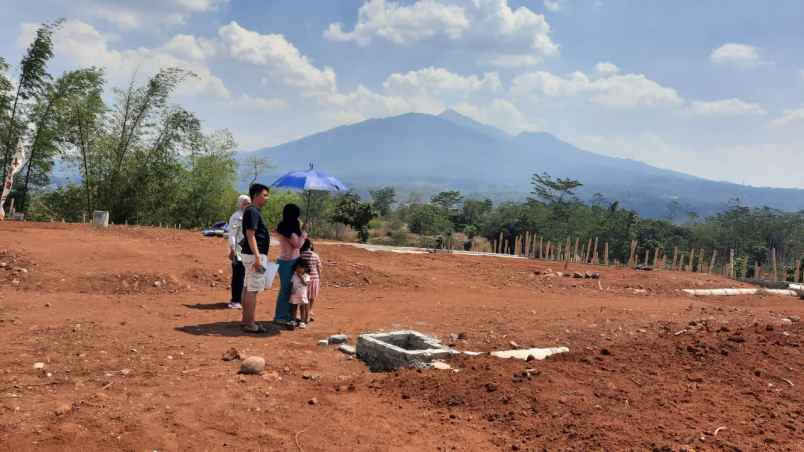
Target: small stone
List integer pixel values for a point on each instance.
(311, 376)
(491, 387)
(605, 352)
(787, 321)
(513, 344)
(453, 337)
(462, 336)
(313, 401)
(337, 339)
(323, 342)
(253, 365)
(348, 349)
(63, 409)
(231, 354)
(39, 366)
(157, 284)
(795, 318)
(441, 365)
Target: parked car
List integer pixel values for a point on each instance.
(218, 229)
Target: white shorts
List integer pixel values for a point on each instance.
(255, 282)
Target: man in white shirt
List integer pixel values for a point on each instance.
(235, 237)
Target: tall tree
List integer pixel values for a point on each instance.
(253, 166)
(84, 113)
(50, 119)
(550, 191)
(31, 85)
(383, 198)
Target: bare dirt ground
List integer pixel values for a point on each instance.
(131, 326)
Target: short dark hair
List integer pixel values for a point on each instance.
(256, 189)
(301, 263)
(307, 246)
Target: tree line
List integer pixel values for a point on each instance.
(141, 157)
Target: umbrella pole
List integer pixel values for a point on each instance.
(307, 196)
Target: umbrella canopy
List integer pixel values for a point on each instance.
(309, 180)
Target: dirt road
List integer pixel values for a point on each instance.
(131, 325)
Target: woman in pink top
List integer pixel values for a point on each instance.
(291, 238)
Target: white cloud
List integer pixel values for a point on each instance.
(436, 82)
(192, 47)
(554, 5)
(402, 24)
(500, 113)
(486, 23)
(605, 68)
(85, 46)
(726, 108)
(281, 58)
(789, 117)
(513, 61)
(129, 15)
(626, 91)
(736, 54)
(246, 102)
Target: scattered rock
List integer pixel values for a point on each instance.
(253, 365)
(737, 339)
(311, 376)
(513, 344)
(795, 318)
(605, 352)
(453, 337)
(336, 339)
(231, 355)
(63, 409)
(462, 336)
(47, 305)
(786, 321)
(323, 342)
(441, 365)
(157, 284)
(491, 387)
(312, 401)
(39, 366)
(348, 349)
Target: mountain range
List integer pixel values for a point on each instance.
(425, 154)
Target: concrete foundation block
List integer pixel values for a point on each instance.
(400, 349)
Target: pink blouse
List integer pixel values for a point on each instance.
(289, 247)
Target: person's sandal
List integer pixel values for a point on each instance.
(254, 329)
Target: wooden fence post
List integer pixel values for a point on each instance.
(692, 258)
(712, 262)
(773, 263)
(731, 263)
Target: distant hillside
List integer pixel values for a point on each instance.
(426, 153)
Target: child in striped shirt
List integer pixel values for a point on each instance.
(313, 264)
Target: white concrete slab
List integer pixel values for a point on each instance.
(538, 353)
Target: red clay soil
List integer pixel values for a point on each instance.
(131, 327)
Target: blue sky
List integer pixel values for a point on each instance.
(711, 88)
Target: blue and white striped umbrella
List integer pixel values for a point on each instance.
(310, 180)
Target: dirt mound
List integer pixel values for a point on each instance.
(346, 274)
(598, 398)
(128, 283)
(15, 268)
